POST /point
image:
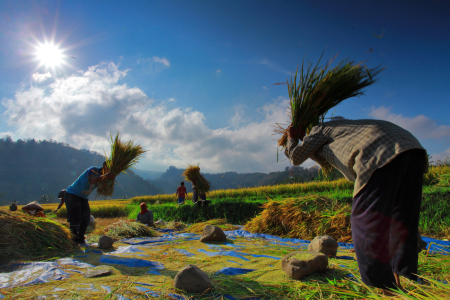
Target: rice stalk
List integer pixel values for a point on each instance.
(304, 218)
(192, 173)
(124, 155)
(25, 237)
(319, 89)
(123, 229)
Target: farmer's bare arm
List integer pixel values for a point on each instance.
(60, 205)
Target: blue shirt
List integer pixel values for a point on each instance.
(81, 186)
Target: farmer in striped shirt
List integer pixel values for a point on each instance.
(387, 164)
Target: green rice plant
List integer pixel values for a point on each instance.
(437, 175)
(282, 190)
(124, 155)
(101, 211)
(124, 229)
(236, 212)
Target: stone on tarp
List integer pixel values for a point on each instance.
(105, 242)
(192, 280)
(98, 271)
(324, 244)
(212, 234)
(299, 264)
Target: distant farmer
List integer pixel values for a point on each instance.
(194, 194)
(145, 216)
(61, 195)
(387, 164)
(181, 193)
(13, 207)
(34, 209)
(77, 203)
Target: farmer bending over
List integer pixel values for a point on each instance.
(145, 216)
(77, 203)
(387, 164)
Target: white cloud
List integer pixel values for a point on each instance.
(441, 156)
(420, 126)
(84, 108)
(41, 77)
(218, 72)
(162, 60)
(171, 100)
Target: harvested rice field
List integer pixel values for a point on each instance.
(246, 266)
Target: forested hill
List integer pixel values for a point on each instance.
(171, 179)
(30, 169)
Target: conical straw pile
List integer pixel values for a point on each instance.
(304, 218)
(24, 237)
(124, 155)
(319, 89)
(192, 173)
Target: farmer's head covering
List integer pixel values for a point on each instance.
(33, 206)
(61, 194)
(143, 208)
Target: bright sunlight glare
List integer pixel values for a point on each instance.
(49, 55)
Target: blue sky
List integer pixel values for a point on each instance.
(192, 81)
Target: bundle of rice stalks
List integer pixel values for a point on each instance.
(319, 89)
(24, 237)
(304, 218)
(174, 225)
(222, 223)
(123, 229)
(192, 173)
(123, 156)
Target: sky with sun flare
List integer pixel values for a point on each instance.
(193, 81)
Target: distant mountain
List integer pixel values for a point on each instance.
(147, 174)
(170, 180)
(30, 169)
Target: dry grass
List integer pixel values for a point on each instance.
(192, 173)
(222, 223)
(123, 156)
(24, 237)
(304, 218)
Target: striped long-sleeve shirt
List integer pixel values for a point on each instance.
(355, 147)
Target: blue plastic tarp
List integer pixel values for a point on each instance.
(234, 271)
(132, 262)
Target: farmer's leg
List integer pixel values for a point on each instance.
(85, 219)
(73, 207)
(405, 218)
(371, 221)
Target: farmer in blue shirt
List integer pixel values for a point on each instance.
(76, 199)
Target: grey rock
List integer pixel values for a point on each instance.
(98, 271)
(212, 234)
(105, 242)
(299, 264)
(192, 280)
(324, 244)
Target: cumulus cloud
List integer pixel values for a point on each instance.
(84, 108)
(39, 77)
(421, 126)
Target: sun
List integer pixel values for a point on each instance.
(49, 55)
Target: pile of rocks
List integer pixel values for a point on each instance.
(299, 264)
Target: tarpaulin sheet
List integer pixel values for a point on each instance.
(132, 262)
(234, 271)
